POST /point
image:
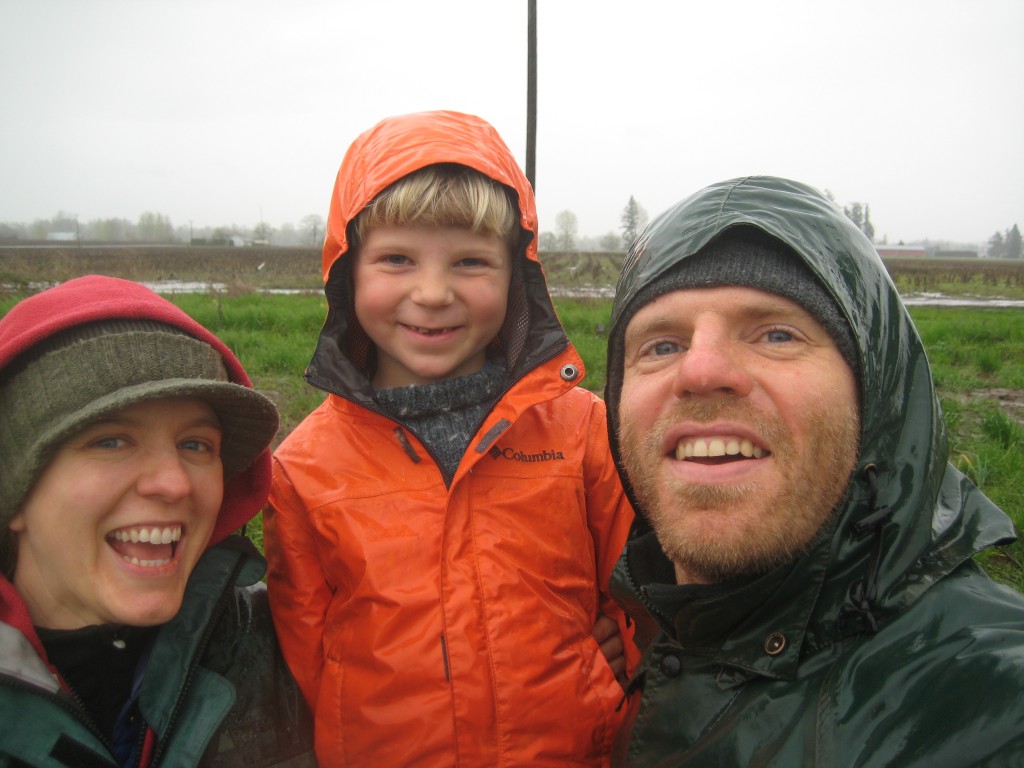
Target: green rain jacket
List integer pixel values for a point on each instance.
(216, 691)
(884, 645)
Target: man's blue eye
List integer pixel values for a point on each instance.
(665, 348)
(779, 336)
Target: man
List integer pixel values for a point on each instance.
(800, 569)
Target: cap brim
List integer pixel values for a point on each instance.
(248, 419)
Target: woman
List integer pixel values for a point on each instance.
(134, 629)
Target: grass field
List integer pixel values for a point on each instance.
(977, 354)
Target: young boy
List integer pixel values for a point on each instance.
(134, 630)
(443, 527)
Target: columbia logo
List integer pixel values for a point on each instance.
(513, 454)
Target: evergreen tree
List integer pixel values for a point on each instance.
(855, 213)
(860, 215)
(1012, 243)
(634, 219)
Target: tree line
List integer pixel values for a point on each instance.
(157, 228)
(633, 219)
(152, 227)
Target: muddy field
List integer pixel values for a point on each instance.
(262, 268)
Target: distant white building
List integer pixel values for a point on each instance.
(901, 251)
(62, 237)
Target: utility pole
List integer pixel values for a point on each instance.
(531, 94)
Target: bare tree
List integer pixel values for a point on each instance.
(312, 227)
(611, 241)
(155, 228)
(565, 227)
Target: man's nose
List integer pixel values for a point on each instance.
(713, 364)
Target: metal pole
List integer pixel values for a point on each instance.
(531, 94)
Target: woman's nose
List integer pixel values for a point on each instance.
(165, 476)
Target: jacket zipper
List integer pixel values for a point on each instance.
(158, 750)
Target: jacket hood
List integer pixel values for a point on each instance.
(396, 147)
(908, 517)
(94, 298)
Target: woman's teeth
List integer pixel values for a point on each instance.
(147, 563)
(149, 535)
(167, 535)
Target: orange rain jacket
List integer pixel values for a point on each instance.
(448, 625)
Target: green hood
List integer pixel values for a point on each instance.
(938, 518)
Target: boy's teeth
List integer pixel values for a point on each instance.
(718, 445)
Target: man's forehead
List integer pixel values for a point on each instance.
(741, 302)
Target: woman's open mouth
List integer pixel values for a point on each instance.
(149, 546)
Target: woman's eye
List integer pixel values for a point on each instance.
(200, 446)
(108, 442)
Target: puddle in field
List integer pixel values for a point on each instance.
(938, 300)
(593, 292)
(181, 286)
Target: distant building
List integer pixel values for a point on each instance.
(901, 251)
(62, 237)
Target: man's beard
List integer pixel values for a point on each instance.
(714, 533)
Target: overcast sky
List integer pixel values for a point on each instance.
(232, 111)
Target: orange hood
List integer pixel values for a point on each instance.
(396, 147)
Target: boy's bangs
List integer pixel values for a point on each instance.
(443, 196)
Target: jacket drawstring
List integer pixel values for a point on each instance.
(403, 441)
(635, 684)
(865, 591)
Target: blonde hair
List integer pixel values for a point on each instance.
(446, 195)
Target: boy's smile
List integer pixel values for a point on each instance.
(431, 300)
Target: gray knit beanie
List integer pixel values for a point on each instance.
(746, 257)
(71, 379)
